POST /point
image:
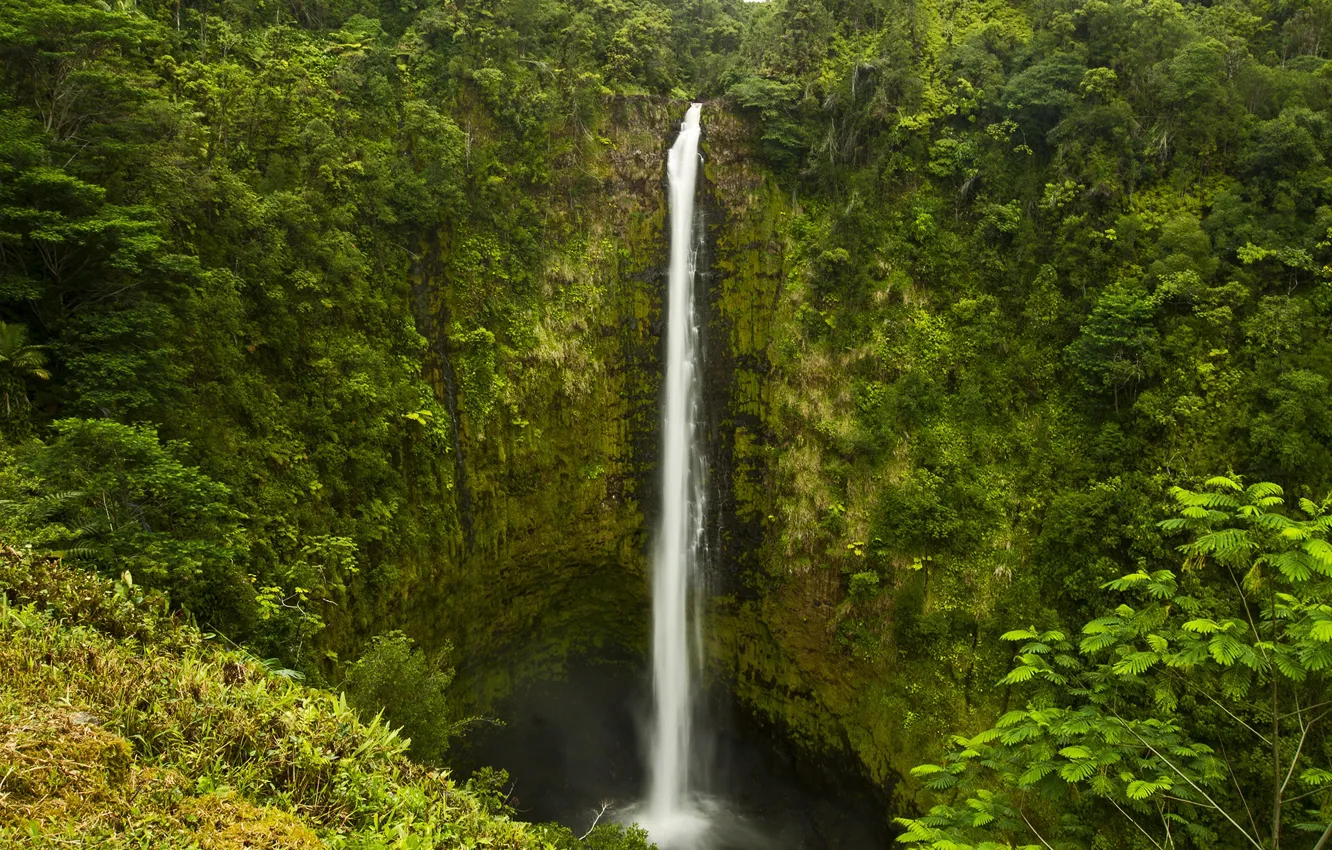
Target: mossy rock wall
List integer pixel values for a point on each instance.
(553, 490)
(549, 489)
(769, 637)
(786, 637)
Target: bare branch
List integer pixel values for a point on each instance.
(1310, 708)
(604, 806)
(1033, 829)
(1218, 704)
(1187, 802)
(1295, 759)
(1322, 841)
(1306, 794)
(1182, 775)
(1245, 800)
(1131, 820)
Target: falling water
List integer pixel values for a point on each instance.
(680, 811)
(670, 813)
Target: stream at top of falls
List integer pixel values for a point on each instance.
(713, 780)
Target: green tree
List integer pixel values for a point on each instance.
(73, 63)
(1119, 346)
(1194, 714)
(410, 688)
(639, 51)
(114, 496)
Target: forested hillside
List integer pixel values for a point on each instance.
(1043, 261)
(233, 237)
(327, 320)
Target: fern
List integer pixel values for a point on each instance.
(1136, 664)
(1320, 555)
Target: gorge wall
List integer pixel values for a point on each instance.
(548, 555)
(553, 497)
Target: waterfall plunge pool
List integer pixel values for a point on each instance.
(572, 745)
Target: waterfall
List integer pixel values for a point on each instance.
(669, 810)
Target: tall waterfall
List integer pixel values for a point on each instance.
(669, 811)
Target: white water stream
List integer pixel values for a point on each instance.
(671, 814)
(572, 737)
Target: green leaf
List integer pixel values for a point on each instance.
(1035, 773)
(1321, 631)
(1294, 565)
(1018, 675)
(1140, 789)
(1125, 582)
(1078, 771)
(1315, 777)
(1320, 555)
(1136, 664)
(1011, 718)
(1225, 649)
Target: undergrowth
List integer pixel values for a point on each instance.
(121, 726)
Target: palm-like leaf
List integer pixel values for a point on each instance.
(17, 355)
(13, 338)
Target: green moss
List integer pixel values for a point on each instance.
(548, 561)
(835, 675)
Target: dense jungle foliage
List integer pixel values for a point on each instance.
(210, 220)
(1041, 261)
(1050, 259)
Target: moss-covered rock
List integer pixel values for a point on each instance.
(552, 487)
(794, 502)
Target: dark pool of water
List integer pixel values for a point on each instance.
(571, 746)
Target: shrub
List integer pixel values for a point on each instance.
(409, 688)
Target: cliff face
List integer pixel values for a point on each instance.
(780, 595)
(550, 485)
(554, 489)
(864, 680)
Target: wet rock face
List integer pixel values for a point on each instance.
(556, 498)
(556, 503)
(777, 598)
(742, 270)
(552, 495)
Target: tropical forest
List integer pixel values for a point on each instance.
(677, 424)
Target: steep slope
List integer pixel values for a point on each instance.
(123, 728)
